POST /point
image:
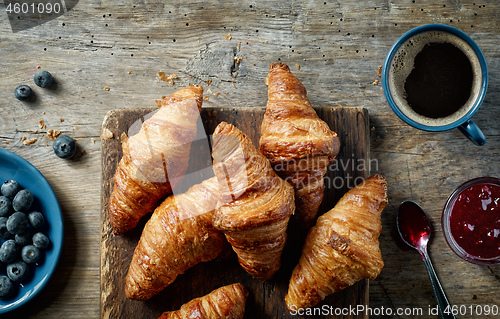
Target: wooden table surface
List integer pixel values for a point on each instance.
(334, 47)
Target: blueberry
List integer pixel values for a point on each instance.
(41, 241)
(22, 201)
(8, 251)
(10, 188)
(36, 220)
(4, 233)
(30, 254)
(17, 223)
(17, 271)
(26, 238)
(23, 92)
(64, 146)
(43, 79)
(5, 206)
(6, 287)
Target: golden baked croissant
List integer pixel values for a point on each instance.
(342, 248)
(298, 143)
(155, 159)
(227, 302)
(255, 203)
(178, 236)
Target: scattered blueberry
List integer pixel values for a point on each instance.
(43, 79)
(8, 251)
(64, 146)
(22, 201)
(36, 220)
(5, 206)
(30, 254)
(6, 287)
(41, 241)
(23, 92)
(26, 238)
(10, 188)
(17, 223)
(17, 271)
(4, 233)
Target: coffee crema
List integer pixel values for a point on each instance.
(436, 77)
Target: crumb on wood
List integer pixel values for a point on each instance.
(106, 134)
(227, 36)
(298, 52)
(30, 141)
(234, 86)
(379, 71)
(209, 82)
(84, 152)
(7, 142)
(297, 66)
(93, 141)
(61, 120)
(167, 78)
(106, 88)
(375, 82)
(41, 124)
(23, 138)
(53, 134)
(206, 97)
(237, 60)
(217, 93)
(129, 72)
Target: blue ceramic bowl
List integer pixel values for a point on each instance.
(15, 167)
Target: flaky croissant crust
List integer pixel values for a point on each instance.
(249, 185)
(342, 248)
(227, 302)
(291, 128)
(155, 159)
(178, 236)
(255, 203)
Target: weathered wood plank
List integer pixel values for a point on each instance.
(91, 47)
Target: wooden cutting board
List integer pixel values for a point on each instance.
(266, 299)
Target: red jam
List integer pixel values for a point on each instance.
(412, 223)
(475, 220)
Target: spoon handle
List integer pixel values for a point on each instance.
(439, 294)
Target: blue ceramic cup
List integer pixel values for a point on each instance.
(399, 64)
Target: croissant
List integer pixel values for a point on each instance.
(255, 204)
(342, 248)
(227, 302)
(155, 159)
(178, 235)
(298, 143)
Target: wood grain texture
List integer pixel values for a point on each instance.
(266, 298)
(337, 45)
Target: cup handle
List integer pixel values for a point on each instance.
(473, 132)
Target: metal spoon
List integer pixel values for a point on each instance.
(415, 230)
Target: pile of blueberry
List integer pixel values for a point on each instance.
(23, 242)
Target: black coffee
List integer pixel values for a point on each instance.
(440, 82)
